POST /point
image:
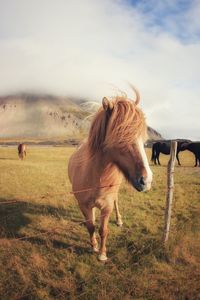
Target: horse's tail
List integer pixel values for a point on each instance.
(19, 150)
(153, 155)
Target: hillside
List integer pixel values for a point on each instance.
(47, 116)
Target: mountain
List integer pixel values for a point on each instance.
(41, 116)
(47, 116)
(153, 134)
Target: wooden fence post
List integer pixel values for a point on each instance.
(170, 187)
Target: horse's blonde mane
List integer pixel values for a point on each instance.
(119, 127)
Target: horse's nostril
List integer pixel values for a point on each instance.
(142, 181)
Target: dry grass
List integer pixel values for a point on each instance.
(44, 247)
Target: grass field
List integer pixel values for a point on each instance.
(44, 246)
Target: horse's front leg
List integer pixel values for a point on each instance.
(195, 161)
(118, 215)
(178, 159)
(89, 222)
(103, 231)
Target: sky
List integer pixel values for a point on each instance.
(90, 49)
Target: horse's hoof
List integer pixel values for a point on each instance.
(96, 249)
(119, 224)
(102, 257)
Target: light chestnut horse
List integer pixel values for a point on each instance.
(22, 151)
(115, 147)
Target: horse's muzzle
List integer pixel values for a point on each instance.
(141, 185)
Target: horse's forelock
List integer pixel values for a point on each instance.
(126, 124)
(121, 127)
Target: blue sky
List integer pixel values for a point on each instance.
(171, 17)
(87, 48)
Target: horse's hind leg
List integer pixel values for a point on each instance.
(118, 215)
(89, 221)
(158, 160)
(93, 215)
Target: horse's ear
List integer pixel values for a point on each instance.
(107, 104)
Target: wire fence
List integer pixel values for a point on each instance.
(70, 193)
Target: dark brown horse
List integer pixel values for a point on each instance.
(164, 147)
(195, 149)
(22, 151)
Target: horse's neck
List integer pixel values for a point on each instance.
(111, 175)
(107, 171)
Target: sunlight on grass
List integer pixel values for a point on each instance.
(44, 246)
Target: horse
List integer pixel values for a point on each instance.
(22, 151)
(164, 147)
(113, 149)
(193, 147)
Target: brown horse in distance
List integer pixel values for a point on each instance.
(22, 151)
(193, 147)
(115, 147)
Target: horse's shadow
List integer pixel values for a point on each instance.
(16, 216)
(139, 251)
(8, 158)
(12, 217)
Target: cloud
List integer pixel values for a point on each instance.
(82, 48)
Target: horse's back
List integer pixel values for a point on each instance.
(161, 147)
(76, 163)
